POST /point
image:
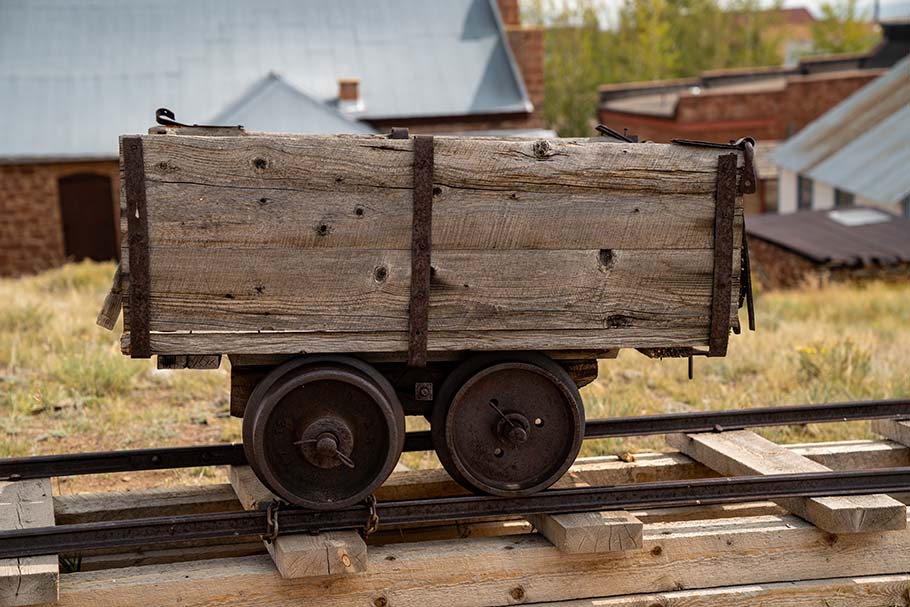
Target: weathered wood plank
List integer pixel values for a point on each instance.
(232, 290)
(31, 580)
(870, 591)
(590, 532)
(156, 501)
(498, 571)
(302, 555)
(246, 218)
(898, 431)
(332, 553)
(744, 452)
(358, 164)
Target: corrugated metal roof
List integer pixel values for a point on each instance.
(74, 74)
(863, 144)
(273, 105)
(818, 237)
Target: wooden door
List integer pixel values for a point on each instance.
(87, 211)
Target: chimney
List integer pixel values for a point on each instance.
(349, 95)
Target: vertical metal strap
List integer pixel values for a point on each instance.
(725, 204)
(421, 230)
(138, 243)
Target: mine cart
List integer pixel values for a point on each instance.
(354, 280)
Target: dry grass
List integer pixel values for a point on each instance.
(64, 386)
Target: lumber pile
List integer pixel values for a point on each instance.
(262, 244)
(717, 556)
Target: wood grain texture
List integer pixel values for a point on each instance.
(743, 452)
(256, 236)
(870, 591)
(898, 431)
(301, 555)
(306, 556)
(590, 532)
(155, 501)
(31, 580)
(500, 571)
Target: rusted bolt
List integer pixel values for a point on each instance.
(322, 229)
(358, 210)
(380, 273)
(437, 190)
(517, 593)
(260, 163)
(656, 551)
(380, 601)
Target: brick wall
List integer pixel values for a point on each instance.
(767, 115)
(509, 11)
(31, 232)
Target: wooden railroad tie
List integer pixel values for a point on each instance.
(32, 580)
(743, 452)
(717, 555)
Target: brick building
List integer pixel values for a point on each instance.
(77, 75)
(769, 103)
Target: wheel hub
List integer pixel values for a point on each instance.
(327, 442)
(513, 428)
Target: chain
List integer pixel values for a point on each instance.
(373, 518)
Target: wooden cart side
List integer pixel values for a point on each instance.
(499, 331)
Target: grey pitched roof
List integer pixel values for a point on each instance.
(848, 236)
(273, 105)
(75, 74)
(861, 145)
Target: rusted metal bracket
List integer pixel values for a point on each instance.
(166, 117)
(421, 231)
(399, 133)
(138, 243)
(724, 206)
(749, 183)
(745, 280)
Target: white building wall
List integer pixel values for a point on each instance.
(786, 191)
(822, 195)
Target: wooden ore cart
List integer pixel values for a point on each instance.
(354, 280)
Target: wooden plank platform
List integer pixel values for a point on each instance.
(32, 580)
(743, 452)
(723, 555)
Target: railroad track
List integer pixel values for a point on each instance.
(134, 460)
(289, 519)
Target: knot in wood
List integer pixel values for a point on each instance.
(517, 593)
(542, 148)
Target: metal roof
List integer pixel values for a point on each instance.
(75, 74)
(862, 145)
(825, 236)
(274, 105)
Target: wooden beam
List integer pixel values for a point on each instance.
(743, 452)
(898, 431)
(590, 532)
(301, 555)
(868, 591)
(507, 570)
(32, 580)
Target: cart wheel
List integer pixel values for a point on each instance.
(508, 424)
(323, 432)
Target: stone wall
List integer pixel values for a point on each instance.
(31, 231)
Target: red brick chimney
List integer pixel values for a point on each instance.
(349, 95)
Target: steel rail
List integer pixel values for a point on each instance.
(69, 539)
(19, 468)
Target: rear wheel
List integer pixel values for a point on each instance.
(508, 424)
(323, 432)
